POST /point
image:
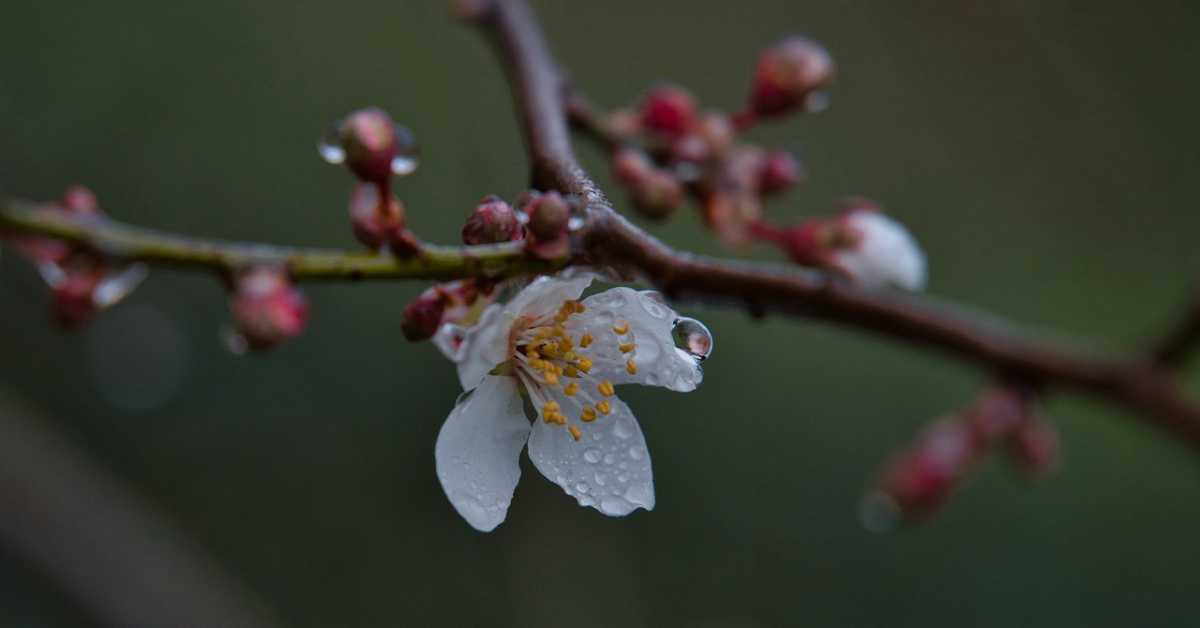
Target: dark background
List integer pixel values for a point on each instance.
(1043, 152)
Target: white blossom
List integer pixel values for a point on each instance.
(883, 253)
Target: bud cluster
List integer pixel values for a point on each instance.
(267, 308)
(82, 282)
(919, 480)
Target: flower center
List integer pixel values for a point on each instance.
(551, 361)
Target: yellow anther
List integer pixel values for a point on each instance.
(606, 388)
(622, 329)
(631, 367)
(579, 308)
(570, 356)
(561, 316)
(550, 377)
(570, 389)
(571, 371)
(576, 433)
(566, 344)
(585, 341)
(544, 332)
(550, 407)
(584, 365)
(626, 348)
(604, 407)
(532, 354)
(588, 415)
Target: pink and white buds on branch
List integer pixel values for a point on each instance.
(788, 77)
(862, 244)
(377, 220)
(267, 309)
(492, 221)
(373, 146)
(548, 214)
(1034, 447)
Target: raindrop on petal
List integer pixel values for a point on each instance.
(693, 337)
(330, 144)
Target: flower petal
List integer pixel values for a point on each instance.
(478, 452)
(480, 348)
(545, 294)
(658, 361)
(608, 468)
(886, 255)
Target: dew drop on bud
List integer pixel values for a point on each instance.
(403, 165)
(879, 513)
(816, 102)
(405, 162)
(692, 336)
(233, 341)
(574, 223)
(330, 144)
(111, 290)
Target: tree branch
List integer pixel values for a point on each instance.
(610, 240)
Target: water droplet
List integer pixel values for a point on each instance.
(693, 337)
(637, 452)
(613, 506)
(609, 458)
(623, 478)
(601, 478)
(592, 455)
(403, 165)
(112, 289)
(52, 274)
(330, 144)
(879, 513)
(575, 223)
(582, 487)
(816, 102)
(638, 494)
(233, 341)
(622, 428)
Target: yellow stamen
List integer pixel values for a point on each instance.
(570, 389)
(571, 371)
(532, 354)
(550, 407)
(550, 377)
(606, 388)
(588, 415)
(631, 367)
(622, 329)
(585, 341)
(576, 433)
(604, 407)
(584, 365)
(579, 308)
(626, 348)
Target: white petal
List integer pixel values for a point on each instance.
(887, 254)
(607, 469)
(478, 452)
(659, 362)
(482, 346)
(545, 295)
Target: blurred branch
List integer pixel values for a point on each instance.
(1181, 340)
(541, 92)
(106, 547)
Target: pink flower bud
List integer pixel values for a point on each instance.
(779, 171)
(73, 300)
(787, 73)
(547, 227)
(80, 200)
(76, 201)
(630, 165)
(267, 309)
(657, 194)
(998, 413)
(732, 214)
(374, 147)
(376, 220)
(717, 131)
(492, 221)
(422, 317)
(1035, 447)
(920, 480)
(669, 110)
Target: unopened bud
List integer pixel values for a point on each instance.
(73, 300)
(732, 215)
(492, 221)
(787, 74)
(998, 413)
(779, 171)
(547, 227)
(267, 309)
(657, 194)
(422, 317)
(717, 130)
(1035, 446)
(376, 220)
(630, 165)
(669, 110)
(372, 145)
(80, 200)
(920, 480)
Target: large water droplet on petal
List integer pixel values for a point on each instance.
(330, 144)
(693, 337)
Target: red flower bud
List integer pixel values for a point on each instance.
(630, 165)
(669, 110)
(492, 221)
(267, 309)
(998, 413)
(919, 481)
(1035, 446)
(375, 220)
(547, 227)
(787, 73)
(422, 317)
(779, 171)
(73, 300)
(657, 194)
(372, 146)
(717, 131)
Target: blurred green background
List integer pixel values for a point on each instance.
(1043, 152)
